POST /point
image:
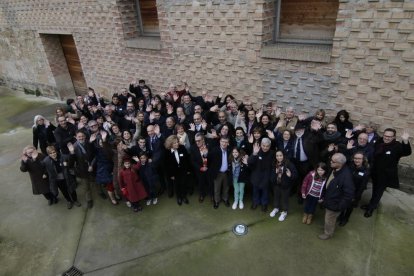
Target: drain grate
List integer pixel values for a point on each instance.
(73, 271)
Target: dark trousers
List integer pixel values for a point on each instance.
(221, 187)
(71, 197)
(205, 186)
(310, 204)
(303, 169)
(281, 197)
(377, 192)
(344, 216)
(180, 183)
(49, 196)
(260, 195)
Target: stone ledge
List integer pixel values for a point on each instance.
(144, 42)
(301, 52)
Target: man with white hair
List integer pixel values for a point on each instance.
(288, 120)
(337, 194)
(260, 163)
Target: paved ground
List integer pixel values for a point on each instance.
(37, 239)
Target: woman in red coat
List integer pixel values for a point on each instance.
(131, 184)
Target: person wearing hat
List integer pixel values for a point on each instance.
(305, 152)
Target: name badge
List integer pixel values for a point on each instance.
(181, 155)
(388, 152)
(260, 157)
(361, 173)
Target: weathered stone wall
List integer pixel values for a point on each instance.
(218, 45)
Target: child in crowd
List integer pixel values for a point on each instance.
(131, 184)
(312, 188)
(149, 178)
(240, 175)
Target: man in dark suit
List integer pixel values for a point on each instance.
(199, 153)
(219, 166)
(387, 154)
(81, 156)
(155, 146)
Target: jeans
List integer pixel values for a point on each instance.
(310, 204)
(260, 195)
(238, 190)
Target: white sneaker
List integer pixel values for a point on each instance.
(241, 205)
(274, 212)
(148, 202)
(282, 216)
(128, 204)
(155, 201)
(234, 205)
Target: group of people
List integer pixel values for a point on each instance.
(139, 145)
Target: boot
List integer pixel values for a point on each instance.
(112, 198)
(309, 219)
(305, 218)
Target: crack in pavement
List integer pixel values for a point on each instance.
(173, 247)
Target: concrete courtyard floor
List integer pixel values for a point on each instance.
(194, 239)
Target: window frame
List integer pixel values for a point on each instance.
(141, 25)
(276, 32)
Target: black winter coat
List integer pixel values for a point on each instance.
(340, 191)
(386, 158)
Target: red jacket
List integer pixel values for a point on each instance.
(307, 183)
(129, 179)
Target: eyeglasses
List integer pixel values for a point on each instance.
(387, 136)
(93, 125)
(198, 141)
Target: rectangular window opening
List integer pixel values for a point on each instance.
(305, 21)
(148, 17)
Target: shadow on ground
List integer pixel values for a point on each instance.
(165, 239)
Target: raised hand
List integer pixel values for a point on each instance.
(192, 127)
(349, 134)
(24, 157)
(288, 172)
(331, 147)
(350, 144)
(70, 120)
(316, 125)
(135, 158)
(256, 148)
(104, 134)
(157, 130)
(301, 117)
(92, 138)
(71, 148)
(251, 138)
(204, 124)
(244, 159)
(405, 136)
(270, 134)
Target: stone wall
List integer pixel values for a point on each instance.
(223, 46)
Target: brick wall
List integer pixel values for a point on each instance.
(216, 45)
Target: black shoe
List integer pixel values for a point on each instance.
(254, 206)
(50, 201)
(227, 203)
(185, 200)
(364, 207)
(77, 204)
(55, 200)
(69, 205)
(216, 205)
(264, 208)
(90, 204)
(368, 213)
(179, 201)
(343, 222)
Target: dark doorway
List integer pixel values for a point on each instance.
(74, 65)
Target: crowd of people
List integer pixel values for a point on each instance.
(139, 145)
